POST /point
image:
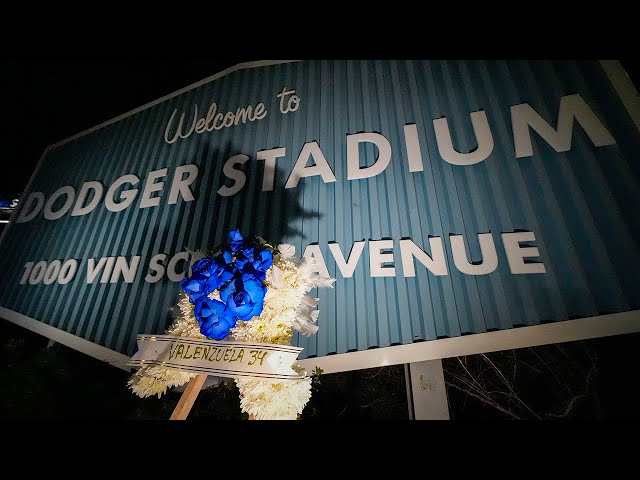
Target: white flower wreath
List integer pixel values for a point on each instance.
(286, 308)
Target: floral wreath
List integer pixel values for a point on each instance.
(247, 291)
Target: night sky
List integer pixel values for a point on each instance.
(46, 102)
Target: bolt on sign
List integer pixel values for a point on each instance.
(462, 206)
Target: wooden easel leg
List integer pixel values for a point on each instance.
(188, 398)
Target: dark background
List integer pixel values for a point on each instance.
(45, 102)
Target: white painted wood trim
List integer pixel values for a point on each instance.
(85, 346)
(548, 333)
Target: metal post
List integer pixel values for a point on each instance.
(426, 391)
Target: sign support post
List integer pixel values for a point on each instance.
(426, 391)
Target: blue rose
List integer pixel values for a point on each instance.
(245, 256)
(250, 271)
(263, 260)
(202, 267)
(219, 273)
(237, 241)
(244, 296)
(194, 288)
(214, 318)
(208, 275)
(227, 256)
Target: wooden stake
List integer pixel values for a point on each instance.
(188, 397)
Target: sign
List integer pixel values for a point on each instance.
(453, 201)
(226, 359)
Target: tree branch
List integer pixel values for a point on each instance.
(493, 404)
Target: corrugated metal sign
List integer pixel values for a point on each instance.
(446, 197)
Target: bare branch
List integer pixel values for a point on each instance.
(371, 403)
(572, 403)
(509, 386)
(493, 404)
(472, 377)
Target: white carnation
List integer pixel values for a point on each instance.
(269, 400)
(155, 380)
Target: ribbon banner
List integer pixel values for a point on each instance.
(225, 359)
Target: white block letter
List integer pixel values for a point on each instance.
(94, 270)
(487, 249)
(150, 187)
(354, 171)
(516, 253)
(347, 267)
(157, 266)
(238, 176)
(181, 184)
(127, 271)
(321, 166)
(172, 273)
(78, 209)
(571, 106)
(49, 214)
(314, 257)
(414, 155)
(127, 196)
(25, 215)
(483, 137)
(377, 259)
(436, 263)
(270, 157)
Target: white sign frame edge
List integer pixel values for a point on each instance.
(518, 337)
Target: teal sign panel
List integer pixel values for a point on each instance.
(446, 198)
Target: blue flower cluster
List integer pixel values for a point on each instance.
(237, 272)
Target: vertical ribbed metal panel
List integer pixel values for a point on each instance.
(581, 204)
